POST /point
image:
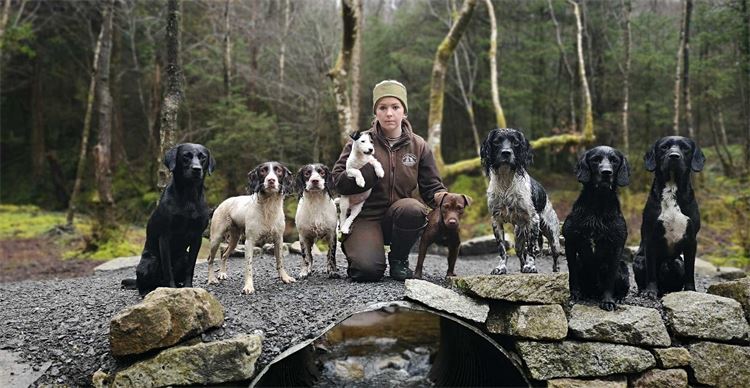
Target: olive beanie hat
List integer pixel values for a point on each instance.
(389, 88)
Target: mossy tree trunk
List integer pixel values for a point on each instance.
(356, 64)
(678, 75)
(437, 84)
(588, 116)
(499, 115)
(174, 93)
(686, 68)
(339, 75)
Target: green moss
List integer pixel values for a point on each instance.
(29, 221)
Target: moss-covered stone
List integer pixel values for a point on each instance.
(672, 357)
(660, 378)
(738, 290)
(548, 288)
(626, 325)
(721, 364)
(705, 316)
(542, 322)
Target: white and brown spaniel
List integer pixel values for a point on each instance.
(316, 215)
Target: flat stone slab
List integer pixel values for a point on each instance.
(16, 373)
(672, 357)
(481, 245)
(705, 316)
(541, 322)
(660, 378)
(546, 360)
(201, 364)
(541, 288)
(738, 290)
(720, 364)
(118, 263)
(446, 300)
(626, 325)
(704, 267)
(614, 382)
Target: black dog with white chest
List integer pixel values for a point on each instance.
(595, 230)
(671, 219)
(174, 230)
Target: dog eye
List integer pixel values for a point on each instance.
(664, 147)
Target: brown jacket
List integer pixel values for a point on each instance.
(408, 165)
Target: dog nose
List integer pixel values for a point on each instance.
(314, 181)
(197, 168)
(606, 172)
(271, 181)
(452, 222)
(505, 153)
(675, 155)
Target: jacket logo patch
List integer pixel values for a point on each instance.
(409, 160)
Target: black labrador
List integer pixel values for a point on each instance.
(174, 230)
(595, 230)
(671, 219)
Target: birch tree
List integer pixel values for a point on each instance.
(103, 149)
(499, 115)
(686, 68)
(227, 51)
(626, 8)
(566, 63)
(678, 74)
(437, 84)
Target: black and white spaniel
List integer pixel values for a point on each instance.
(665, 261)
(514, 197)
(316, 215)
(260, 216)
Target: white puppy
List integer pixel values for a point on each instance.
(260, 216)
(362, 153)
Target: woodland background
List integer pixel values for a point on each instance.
(252, 80)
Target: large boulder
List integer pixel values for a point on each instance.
(738, 290)
(481, 245)
(546, 360)
(660, 378)
(705, 316)
(720, 364)
(165, 317)
(541, 322)
(547, 288)
(446, 300)
(626, 325)
(201, 364)
(613, 382)
(672, 357)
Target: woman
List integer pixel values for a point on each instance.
(390, 216)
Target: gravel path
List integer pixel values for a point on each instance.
(67, 321)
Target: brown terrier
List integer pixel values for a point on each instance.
(442, 228)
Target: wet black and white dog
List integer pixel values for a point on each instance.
(175, 228)
(316, 215)
(514, 197)
(671, 219)
(595, 230)
(259, 215)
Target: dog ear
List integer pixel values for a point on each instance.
(698, 158)
(623, 173)
(650, 158)
(170, 158)
(355, 135)
(253, 181)
(439, 197)
(529, 152)
(467, 200)
(210, 161)
(328, 181)
(485, 152)
(583, 172)
(287, 181)
(299, 183)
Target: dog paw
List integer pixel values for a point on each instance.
(360, 181)
(607, 305)
(304, 273)
(287, 279)
(689, 287)
(575, 294)
(417, 275)
(499, 270)
(345, 230)
(222, 276)
(333, 275)
(529, 268)
(650, 294)
(248, 290)
(379, 172)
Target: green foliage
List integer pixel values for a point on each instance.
(29, 221)
(19, 39)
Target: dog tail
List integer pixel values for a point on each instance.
(551, 223)
(128, 284)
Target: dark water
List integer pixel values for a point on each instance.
(387, 347)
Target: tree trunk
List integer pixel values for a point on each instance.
(437, 84)
(686, 68)
(588, 116)
(85, 134)
(37, 122)
(103, 149)
(282, 54)
(745, 63)
(678, 74)
(340, 72)
(4, 22)
(627, 35)
(174, 93)
(726, 165)
(724, 141)
(499, 115)
(227, 52)
(568, 69)
(466, 95)
(355, 63)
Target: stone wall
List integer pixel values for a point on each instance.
(700, 339)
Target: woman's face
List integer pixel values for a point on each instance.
(389, 113)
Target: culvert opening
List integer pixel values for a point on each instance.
(397, 344)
